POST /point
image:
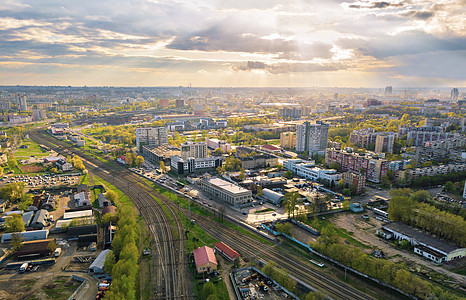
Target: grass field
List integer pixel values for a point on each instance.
(33, 149)
(31, 168)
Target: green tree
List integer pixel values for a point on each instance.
(110, 261)
(218, 152)
(286, 228)
(163, 169)
(12, 191)
(139, 161)
(25, 202)
(335, 166)
(448, 186)
(242, 175)
(16, 241)
(12, 162)
(346, 204)
(14, 223)
(346, 192)
(317, 295)
(208, 289)
(289, 201)
(111, 196)
(288, 174)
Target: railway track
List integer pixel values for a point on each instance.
(171, 248)
(168, 234)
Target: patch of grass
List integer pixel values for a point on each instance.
(244, 231)
(33, 149)
(264, 210)
(196, 236)
(461, 272)
(61, 288)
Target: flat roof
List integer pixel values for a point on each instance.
(230, 187)
(421, 237)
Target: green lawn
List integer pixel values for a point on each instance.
(33, 149)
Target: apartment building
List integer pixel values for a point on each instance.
(312, 137)
(194, 165)
(194, 150)
(384, 143)
(433, 170)
(368, 164)
(355, 181)
(216, 143)
(151, 136)
(288, 140)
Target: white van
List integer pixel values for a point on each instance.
(23, 267)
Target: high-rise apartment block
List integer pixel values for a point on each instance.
(384, 143)
(21, 102)
(288, 140)
(363, 138)
(454, 94)
(388, 90)
(152, 136)
(367, 164)
(194, 150)
(179, 103)
(312, 137)
(290, 113)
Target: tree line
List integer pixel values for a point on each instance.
(123, 262)
(410, 208)
(330, 244)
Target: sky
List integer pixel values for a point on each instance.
(233, 43)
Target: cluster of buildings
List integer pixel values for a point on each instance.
(226, 191)
(369, 164)
(367, 137)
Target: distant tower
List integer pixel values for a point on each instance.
(388, 90)
(454, 94)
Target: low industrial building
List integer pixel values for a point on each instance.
(226, 191)
(40, 220)
(97, 266)
(76, 231)
(272, 196)
(155, 154)
(424, 244)
(27, 218)
(226, 251)
(205, 260)
(258, 161)
(36, 248)
(77, 214)
(27, 235)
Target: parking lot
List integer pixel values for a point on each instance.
(45, 180)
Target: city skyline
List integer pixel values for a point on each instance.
(211, 43)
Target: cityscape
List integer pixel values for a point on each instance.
(216, 150)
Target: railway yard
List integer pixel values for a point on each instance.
(170, 279)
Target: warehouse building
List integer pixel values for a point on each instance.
(226, 191)
(424, 244)
(97, 266)
(40, 220)
(226, 251)
(36, 248)
(272, 196)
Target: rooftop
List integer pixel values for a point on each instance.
(421, 237)
(204, 255)
(230, 187)
(226, 250)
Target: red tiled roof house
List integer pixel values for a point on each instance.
(205, 260)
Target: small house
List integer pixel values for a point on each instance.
(226, 251)
(205, 260)
(356, 207)
(103, 202)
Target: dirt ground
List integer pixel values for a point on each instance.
(31, 168)
(303, 235)
(365, 232)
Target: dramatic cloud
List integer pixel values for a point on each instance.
(211, 42)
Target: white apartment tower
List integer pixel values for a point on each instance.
(195, 150)
(152, 136)
(312, 137)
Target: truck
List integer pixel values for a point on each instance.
(23, 267)
(57, 252)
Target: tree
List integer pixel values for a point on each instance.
(218, 152)
(163, 169)
(208, 289)
(25, 202)
(12, 191)
(14, 223)
(317, 295)
(110, 261)
(335, 166)
(12, 162)
(289, 200)
(129, 159)
(346, 204)
(139, 161)
(16, 241)
(111, 196)
(448, 186)
(346, 192)
(286, 228)
(260, 191)
(242, 175)
(288, 174)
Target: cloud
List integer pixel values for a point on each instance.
(420, 15)
(373, 5)
(282, 68)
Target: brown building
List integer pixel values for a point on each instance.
(36, 248)
(163, 103)
(355, 181)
